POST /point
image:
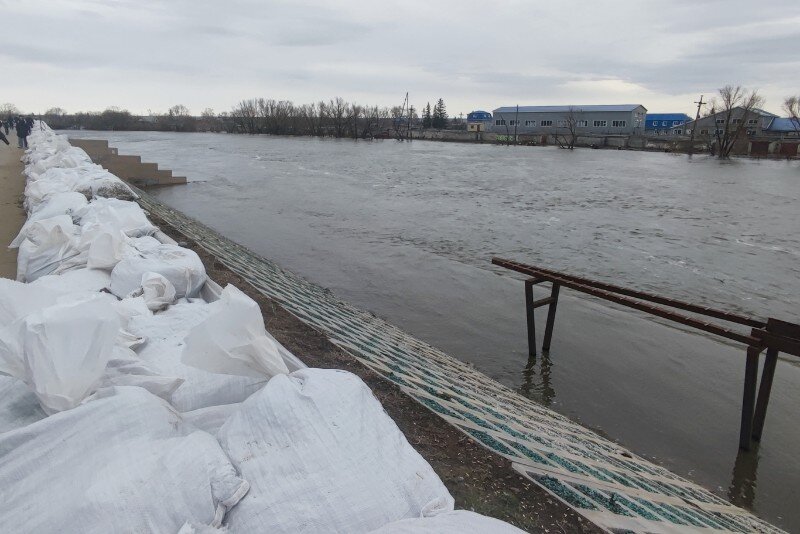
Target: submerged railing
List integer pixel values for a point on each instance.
(773, 335)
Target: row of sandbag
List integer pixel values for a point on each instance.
(169, 413)
(307, 451)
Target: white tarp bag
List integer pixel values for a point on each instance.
(124, 461)
(37, 230)
(57, 251)
(77, 280)
(18, 300)
(455, 522)
(233, 340)
(127, 369)
(156, 291)
(65, 349)
(321, 455)
(105, 246)
(181, 266)
(211, 418)
(123, 215)
(58, 204)
(19, 406)
(165, 333)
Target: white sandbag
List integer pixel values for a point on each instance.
(194, 528)
(455, 522)
(156, 291)
(165, 333)
(19, 407)
(181, 266)
(211, 418)
(126, 369)
(232, 340)
(52, 182)
(18, 300)
(122, 462)
(58, 204)
(65, 349)
(105, 245)
(125, 216)
(128, 308)
(37, 230)
(78, 280)
(321, 455)
(52, 206)
(57, 251)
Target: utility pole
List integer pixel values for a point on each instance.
(700, 103)
(516, 122)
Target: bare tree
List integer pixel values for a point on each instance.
(8, 109)
(209, 122)
(792, 108)
(337, 112)
(244, 116)
(570, 129)
(733, 128)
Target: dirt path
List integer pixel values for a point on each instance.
(12, 216)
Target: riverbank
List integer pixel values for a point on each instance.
(12, 215)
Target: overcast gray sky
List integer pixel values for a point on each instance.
(148, 55)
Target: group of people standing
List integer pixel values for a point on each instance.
(23, 126)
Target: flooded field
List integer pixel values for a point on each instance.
(407, 230)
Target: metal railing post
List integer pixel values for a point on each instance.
(551, 317)
(764, 390)
(749, 397)
(529, 316)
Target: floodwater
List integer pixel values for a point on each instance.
(407, 230)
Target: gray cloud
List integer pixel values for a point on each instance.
(147, 54)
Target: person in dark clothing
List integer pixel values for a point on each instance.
(29, 122)
(7, 125)
(23, 130)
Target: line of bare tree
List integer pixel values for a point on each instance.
(334, 118)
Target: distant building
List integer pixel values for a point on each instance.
(479, 121)
(625, 119)
(753, 124)
(782, 127)
(666, 123)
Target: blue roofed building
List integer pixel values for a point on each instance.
(666, 123)
(782, 127)
(478, 121)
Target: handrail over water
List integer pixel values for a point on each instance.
(772, 334)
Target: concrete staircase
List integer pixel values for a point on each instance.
(129, 168)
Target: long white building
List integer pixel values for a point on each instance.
(624, 119)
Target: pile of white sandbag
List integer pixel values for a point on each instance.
(128, 403)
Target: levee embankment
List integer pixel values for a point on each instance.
(12, 216)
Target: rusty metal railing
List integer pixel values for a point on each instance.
(772, 335)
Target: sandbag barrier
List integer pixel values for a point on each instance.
(129, 403)
(607, 484)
